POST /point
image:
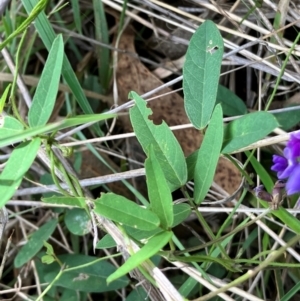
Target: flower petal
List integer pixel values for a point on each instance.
(293, 183)
(287, 172)
(293, 146)
(280, 164)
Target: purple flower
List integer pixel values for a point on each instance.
(280, 164)
(294, 145)
(293, 183)
(288, 167)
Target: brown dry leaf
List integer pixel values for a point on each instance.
(133, 75)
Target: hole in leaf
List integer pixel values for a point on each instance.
(157, 120)
(212, 49)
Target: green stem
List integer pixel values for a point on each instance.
(258, 4)
(236, 230)
(50, 285)
(204, 223)
(251, 273)
(242, 170)
(76, 185)
(32, 16)
(54, 177)
(122, 17)
(282, 71)
(14, 83)
(67, 178)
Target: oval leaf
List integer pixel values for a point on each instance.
(122, 210)
(201, 72)
(87, 274)
(47, 35)
(138, 294)
(247, 129)
(106, 242)
(35, 243)
(208, 155)
(181, 212)
(159, 193)
(46, 91)
(231, 104)
(151, 248)
(78, 221)
(16, 166)
(288, 119)
(66, 200)
(166, 147)
(10, 126)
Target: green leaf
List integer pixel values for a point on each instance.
(48, 259)
(76, 15)
(49, 248)
(28, 133)
(159, 193)
(187, 286)
(16, 166)
(66, 200)
(208, 156)
(293, 291)
(4, 97)
(121, 210)
(40, 6)
(151, 248)
(82, 119)
(102, 53)
(68, 294)
(138, 294)
(10, 126)
(106, 242)
(287, 218)
(261, 172)
(78, 221)
(47, 35)
(247, 129)
(288, 119)
(201, 72)
(181, 212)
(19, 136)
(35, 243)
(46, 91)
(167, 149)
(91, 277)
(232, 105)
(191, 164)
